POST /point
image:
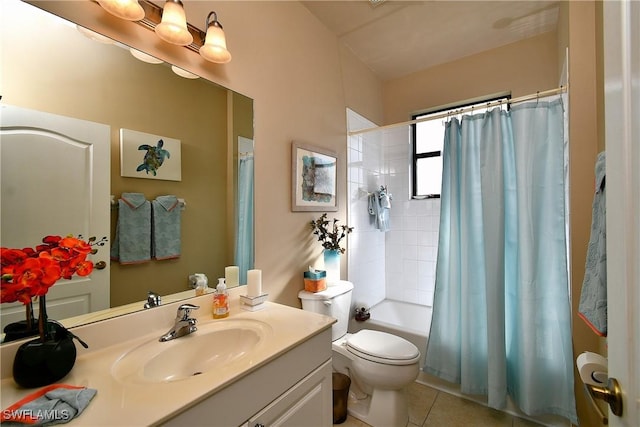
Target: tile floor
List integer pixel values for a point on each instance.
(429, 407)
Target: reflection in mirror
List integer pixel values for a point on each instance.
(54, 68)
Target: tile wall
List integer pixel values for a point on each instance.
(398, 264)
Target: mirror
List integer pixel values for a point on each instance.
(63, 72)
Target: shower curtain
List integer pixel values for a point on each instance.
(244, 252)
(501, 314)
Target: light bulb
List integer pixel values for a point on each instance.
(173, 27)
(124, 9)
(215, 43)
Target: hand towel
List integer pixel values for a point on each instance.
(593, 297)
(132, 242)
(54, 404)
(374, 208)
(385, 210)
(166, 227)
(380, 214)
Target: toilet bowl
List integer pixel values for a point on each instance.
(380, 365)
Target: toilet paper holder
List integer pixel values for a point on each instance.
(593, 371)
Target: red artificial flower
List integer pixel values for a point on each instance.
(84, 268)
(39, 274)
(31, 272)
(10, 292)
(76, 245)
(10, 257)
(51, 240)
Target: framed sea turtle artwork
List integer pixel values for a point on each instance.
(144, 155)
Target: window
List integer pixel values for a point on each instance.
(428, 138)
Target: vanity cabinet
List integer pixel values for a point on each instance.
(293, 389)
(305, 404)
(283, 379)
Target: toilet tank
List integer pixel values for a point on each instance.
(335, 301)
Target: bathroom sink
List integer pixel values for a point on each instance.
(215, 345)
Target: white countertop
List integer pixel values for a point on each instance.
(151, 403)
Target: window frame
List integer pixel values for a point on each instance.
(428, 154)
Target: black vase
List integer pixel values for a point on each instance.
(23, 328)
(47, 359)
(38, 363)
(18, 330)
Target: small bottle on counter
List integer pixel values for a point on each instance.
(201, 284)
(221, 301)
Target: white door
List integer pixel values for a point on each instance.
(54, 179)
(622, 127)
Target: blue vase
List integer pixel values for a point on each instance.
(332, 265)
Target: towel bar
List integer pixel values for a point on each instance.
(114, 203)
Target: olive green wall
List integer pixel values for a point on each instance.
(106, 84)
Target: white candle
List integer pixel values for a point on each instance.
(231, 275)
(254, 283)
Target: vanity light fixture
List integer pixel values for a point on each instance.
(170, 24)
(215, 43)
(124, 9)
(173, 27)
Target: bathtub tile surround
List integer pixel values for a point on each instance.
(366, 255)
(398, 264)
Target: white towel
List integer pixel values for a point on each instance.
(380, 214)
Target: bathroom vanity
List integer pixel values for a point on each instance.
(271, 366)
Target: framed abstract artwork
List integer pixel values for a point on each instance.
(313, 178)
(143, 155)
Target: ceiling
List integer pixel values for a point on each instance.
(395, 38)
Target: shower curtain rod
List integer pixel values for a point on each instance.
(536, 95)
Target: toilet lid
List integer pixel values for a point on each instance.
(382, 347)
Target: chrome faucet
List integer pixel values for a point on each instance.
(153, 300)
(184, 324)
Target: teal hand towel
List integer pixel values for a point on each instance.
(132, 242)
(593, 297)
(54, 404)
(166, 227)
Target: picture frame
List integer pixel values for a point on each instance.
(313, 178)
(144, 155)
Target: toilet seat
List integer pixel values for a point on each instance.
(382, 347)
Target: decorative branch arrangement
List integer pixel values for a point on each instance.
(329, 232)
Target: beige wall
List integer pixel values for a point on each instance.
(585, 128)
(301, 82)
(521, 68)
(291, 65)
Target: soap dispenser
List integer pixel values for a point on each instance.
(221, 300)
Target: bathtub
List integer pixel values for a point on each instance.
(407, 320)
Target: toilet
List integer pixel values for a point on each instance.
(380, 365)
